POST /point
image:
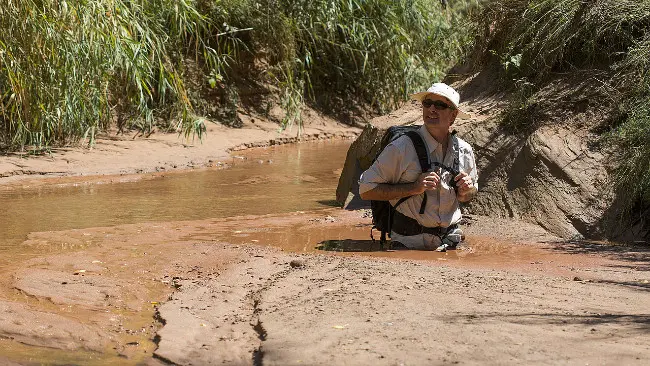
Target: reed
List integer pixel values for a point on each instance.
(350, 52)
(71, 68)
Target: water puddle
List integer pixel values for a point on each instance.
(262, 181)
(350, 234)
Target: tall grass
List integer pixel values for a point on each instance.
(345, 52)
(539, 37)
(538, 41)
(632, 137)
(70, 68)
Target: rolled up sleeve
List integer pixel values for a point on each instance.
(473, 170)
(386, 169)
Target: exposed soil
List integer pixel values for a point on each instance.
(253, 290)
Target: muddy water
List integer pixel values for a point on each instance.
(261, 181)
(275, 180)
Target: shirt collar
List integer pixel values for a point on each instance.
(432, 145)
(428, 139)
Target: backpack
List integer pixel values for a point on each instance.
(382, 211)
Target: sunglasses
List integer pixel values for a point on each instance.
(427, 103)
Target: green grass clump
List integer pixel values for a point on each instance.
(632, 138)
(70, 68)
(339, 53)
(534, 38)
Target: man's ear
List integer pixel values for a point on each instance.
(453, 116)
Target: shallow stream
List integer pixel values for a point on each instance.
(261, 181)
(278, 180)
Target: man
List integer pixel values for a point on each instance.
(397, 174)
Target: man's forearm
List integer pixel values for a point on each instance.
(387, 192)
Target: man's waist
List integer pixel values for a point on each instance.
(404, 225)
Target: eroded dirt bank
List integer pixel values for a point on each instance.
(223, 292)
(128, 157)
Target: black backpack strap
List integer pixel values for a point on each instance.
(423, 158)
(420, 150)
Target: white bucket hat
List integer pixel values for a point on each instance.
(442, 90)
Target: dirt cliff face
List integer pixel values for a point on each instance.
(553, 169)
(551, 177)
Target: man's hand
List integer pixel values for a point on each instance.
(465, 187)
(426, 182)
(386, 192)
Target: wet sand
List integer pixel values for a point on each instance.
(254, 290)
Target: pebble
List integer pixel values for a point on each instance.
(297, 263)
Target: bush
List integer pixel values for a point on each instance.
(632, 177)
(534, 38)
(68, 67)
(71, 68)
(348, 52)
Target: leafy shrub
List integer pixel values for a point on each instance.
(67, 68)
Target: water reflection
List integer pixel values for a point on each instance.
(274, 180)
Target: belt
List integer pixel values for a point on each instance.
(408, 226)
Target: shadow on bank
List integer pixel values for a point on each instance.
(640, 322)
(351, 245)
(636, 255)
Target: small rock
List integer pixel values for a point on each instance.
(577, 278)
(297, 263)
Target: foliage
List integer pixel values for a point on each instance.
(632, 177)
(562, 35)
(369, 51)
(69, 68)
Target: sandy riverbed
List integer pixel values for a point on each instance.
(252, 290)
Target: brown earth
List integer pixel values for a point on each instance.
(252, 290)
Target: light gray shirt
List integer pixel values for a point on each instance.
(398, 163)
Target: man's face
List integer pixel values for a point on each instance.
(438, 112)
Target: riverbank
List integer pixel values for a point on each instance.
(124, 157)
